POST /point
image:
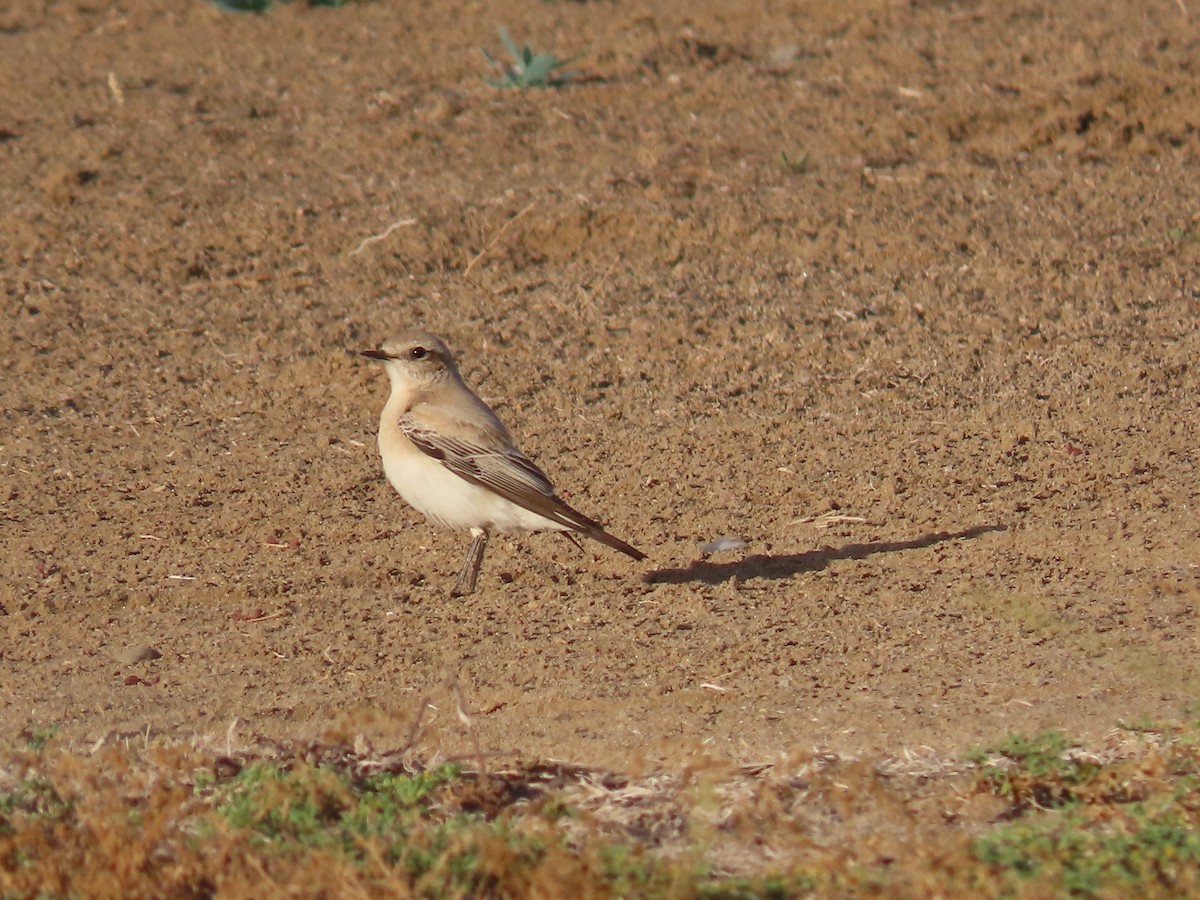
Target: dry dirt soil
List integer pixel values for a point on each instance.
(902, 294)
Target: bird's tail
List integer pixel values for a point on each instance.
(615, 542)
(582, 524)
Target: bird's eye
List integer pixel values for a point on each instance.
(418, 352)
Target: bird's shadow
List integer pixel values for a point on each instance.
(762, 565)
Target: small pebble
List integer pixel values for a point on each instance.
(139, 653)
(724, 542)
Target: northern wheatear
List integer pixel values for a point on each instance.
(446, 453)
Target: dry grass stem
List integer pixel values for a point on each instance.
(375, 238)
(507, 225)
(825, 520)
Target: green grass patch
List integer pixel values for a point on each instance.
(1144, 848)
(169, 820)
(1039, 770)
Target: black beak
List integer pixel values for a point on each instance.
(374, 354)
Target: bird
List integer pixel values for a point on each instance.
(450, 457)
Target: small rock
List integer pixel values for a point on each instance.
(724, 542)
(139, 653)
(783, 55)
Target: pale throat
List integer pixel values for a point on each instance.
(404, 393)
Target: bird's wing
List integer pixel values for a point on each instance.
(506, 471)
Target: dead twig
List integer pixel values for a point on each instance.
(824, 520)
(374, 238)
(604, 277)
(274, 615)
(499, 234)
(464, 717)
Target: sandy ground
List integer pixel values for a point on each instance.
(937, 368)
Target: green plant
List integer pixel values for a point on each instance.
(170, 820)
(528, 69)
(39, 736)
(34, 796)
(1083, 854)
(281, 805)
(1037, 770)
(314, 806)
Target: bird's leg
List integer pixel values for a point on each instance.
(470, 570)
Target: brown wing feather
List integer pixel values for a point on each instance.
(512, 475)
